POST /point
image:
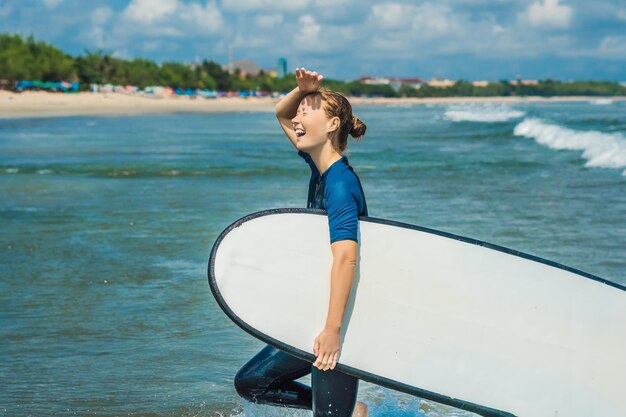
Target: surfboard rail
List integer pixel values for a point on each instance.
(358, 373)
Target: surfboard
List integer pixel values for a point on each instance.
(447, 318)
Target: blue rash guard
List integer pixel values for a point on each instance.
(338, 191)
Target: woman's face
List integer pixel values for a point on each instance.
(311, 123)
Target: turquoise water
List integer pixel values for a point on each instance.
(107, 224)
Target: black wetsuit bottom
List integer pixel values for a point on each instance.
(269, 378)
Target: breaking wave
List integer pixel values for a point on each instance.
(606, 150)
(601, 102)
(486, 113)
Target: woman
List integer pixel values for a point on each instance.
(317, 121)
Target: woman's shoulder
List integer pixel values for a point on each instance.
(343, 179)
(346, 172)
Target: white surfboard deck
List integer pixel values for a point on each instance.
(454, 320)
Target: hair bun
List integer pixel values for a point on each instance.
(358, 128)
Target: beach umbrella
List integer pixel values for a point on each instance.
(21, 85)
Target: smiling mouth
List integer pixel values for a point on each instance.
(300, 132)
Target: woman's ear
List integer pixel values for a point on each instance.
(333, 124)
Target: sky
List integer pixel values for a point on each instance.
(346, 39)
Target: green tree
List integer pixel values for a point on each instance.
(33, 60)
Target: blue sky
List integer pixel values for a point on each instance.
(346, 39)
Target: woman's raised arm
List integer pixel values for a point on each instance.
(287, 107)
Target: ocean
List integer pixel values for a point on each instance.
(107, 224)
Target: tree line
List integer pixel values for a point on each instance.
(24, 58)
(545, 88)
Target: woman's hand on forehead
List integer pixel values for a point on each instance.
(308, 81)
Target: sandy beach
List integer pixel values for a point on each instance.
(44, 104)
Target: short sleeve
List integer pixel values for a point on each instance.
(342, 208)
(307, 158)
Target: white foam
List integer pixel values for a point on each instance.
(486, 113)
(601, 102)
(400, 105)
(607, 150)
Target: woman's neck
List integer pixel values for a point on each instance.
(324, 158)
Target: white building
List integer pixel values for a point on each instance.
(245, 67)
(393, 82)
(440, 82)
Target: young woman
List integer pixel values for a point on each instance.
(317, 121)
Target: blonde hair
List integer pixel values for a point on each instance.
(337, 105)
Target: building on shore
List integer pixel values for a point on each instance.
(440, 82)
(282, 67)
(248, 68)
(393, 82)
(374, 80)
(524, 82)
(480, 83)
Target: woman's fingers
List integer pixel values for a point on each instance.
(316, 351)
(326, 361)
(329, 362)
(335, 357)
(302, 72)
(320, 359)
(308, 81)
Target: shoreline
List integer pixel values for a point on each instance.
(31, 104)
